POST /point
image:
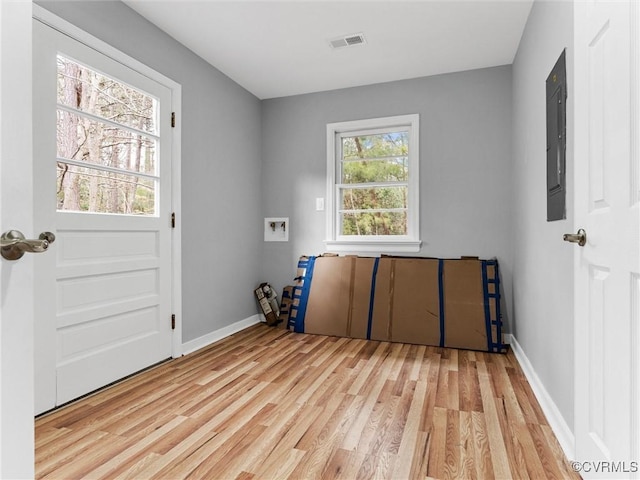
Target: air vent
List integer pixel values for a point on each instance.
(348, 40)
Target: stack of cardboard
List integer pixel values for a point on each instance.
(449, 303)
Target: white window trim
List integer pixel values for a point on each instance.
(409, 243)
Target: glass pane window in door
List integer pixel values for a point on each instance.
(84, 189)
(84, 89)
(87, 140)
(107, 143)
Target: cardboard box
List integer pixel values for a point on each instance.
(407, 305)
(465, 325)
(271, 316)
(285, 304)
(339, 296)
(448, 303)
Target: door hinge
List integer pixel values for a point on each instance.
(173, 321)
(173, 219)
(173, 119)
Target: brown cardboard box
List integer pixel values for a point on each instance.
(407, 306)
(285, 304)
(452, 303)
(361, 297)
(465, 325)
(270, 316)
(338, 301)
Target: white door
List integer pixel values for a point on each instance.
(16, 277)
(102, 158)
(607, 268)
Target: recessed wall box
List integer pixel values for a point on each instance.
(276, 229)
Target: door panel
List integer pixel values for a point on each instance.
(16, 277)
(606, 332)
(106, 293)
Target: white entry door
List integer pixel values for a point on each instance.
(607, 268)
(16, 277)
(102, 178)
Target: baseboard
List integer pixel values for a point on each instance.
(557, 423)
(201, 342)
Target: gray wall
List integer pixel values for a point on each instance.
(221, 222)
(465, 164)
(543, 268)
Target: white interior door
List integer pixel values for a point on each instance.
(16, 277)
(102, 148)
(607, 268)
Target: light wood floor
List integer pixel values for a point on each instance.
(270, 404)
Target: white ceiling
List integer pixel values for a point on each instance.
(281, 48)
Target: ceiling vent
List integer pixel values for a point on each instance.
(348, 40)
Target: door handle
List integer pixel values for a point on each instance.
(13, 244)
(580, 238)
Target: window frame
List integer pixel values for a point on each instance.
(379, 244)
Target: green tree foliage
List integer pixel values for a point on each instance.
(374, 175)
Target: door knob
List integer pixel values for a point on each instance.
(580, 238)
(13, 244)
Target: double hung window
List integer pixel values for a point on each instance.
(372, 185)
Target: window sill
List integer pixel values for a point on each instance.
(377, 246)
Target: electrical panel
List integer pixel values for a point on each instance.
(557, 141)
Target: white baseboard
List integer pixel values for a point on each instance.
(556, 421)
(201, 342)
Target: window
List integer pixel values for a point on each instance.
(107, 134)
(372, 185)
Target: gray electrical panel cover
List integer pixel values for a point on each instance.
(557, 141)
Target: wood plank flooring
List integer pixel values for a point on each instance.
(266, 403)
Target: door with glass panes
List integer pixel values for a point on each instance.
(102, 178)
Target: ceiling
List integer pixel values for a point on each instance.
(282, 48)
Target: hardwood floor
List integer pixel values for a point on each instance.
(266, 403)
